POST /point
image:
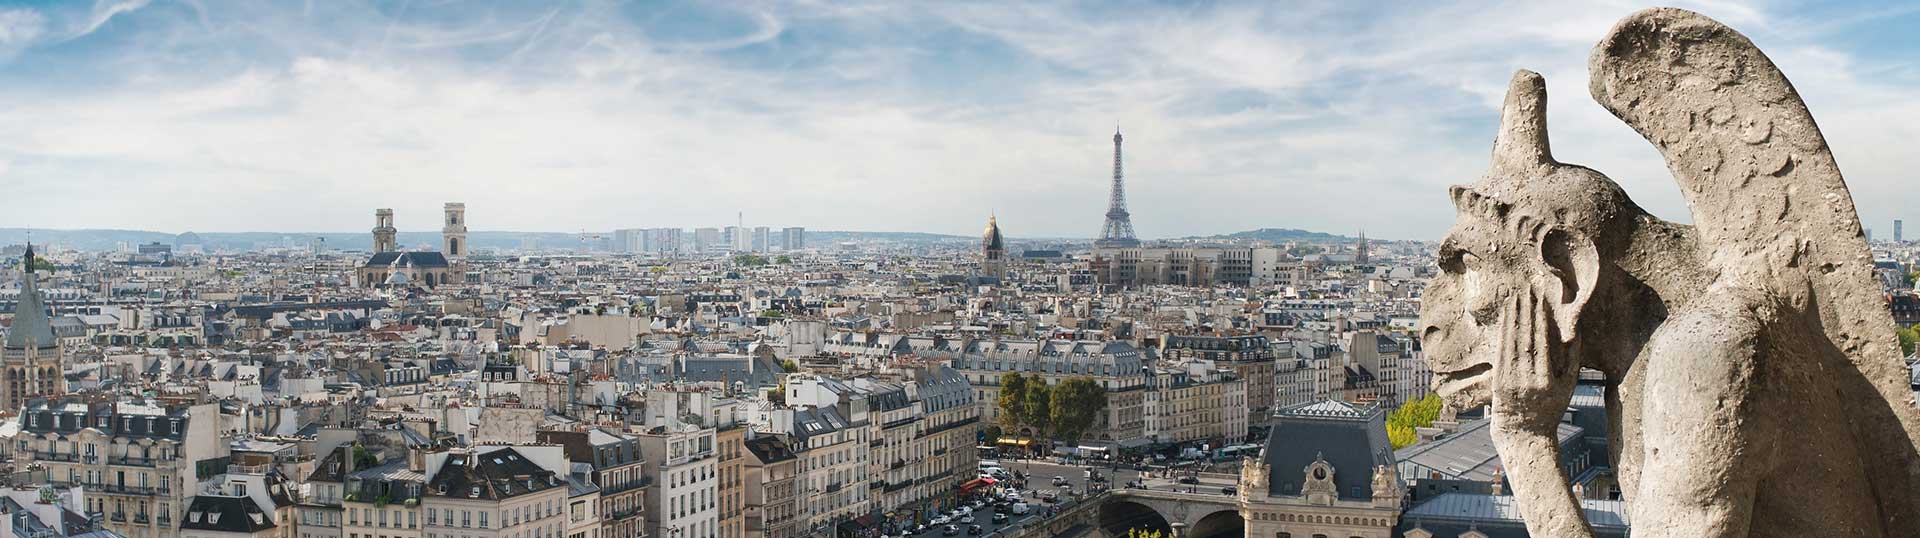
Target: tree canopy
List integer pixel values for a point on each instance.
(1039, 405)
(1412, 415)
(1909, 337)
(1013, 400)
(1077, 404)
(750, 260)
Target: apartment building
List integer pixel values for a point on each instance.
(681, 464)
(618, 472)
(772, 488)
(496, 492)
(138, 461)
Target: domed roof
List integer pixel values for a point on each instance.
(990, 240)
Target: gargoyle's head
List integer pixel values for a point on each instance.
(1525, 230)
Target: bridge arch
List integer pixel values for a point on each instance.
(1220, 524)
(1118, 516)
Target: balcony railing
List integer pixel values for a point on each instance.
(131, 490)
(140, 518)
(119, 516)
(132, 462)
(55, 456)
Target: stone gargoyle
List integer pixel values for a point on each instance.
(1754, 384)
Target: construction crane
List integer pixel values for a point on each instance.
(587, 239)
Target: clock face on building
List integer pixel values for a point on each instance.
(1320, 473)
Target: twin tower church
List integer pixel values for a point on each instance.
(390, 267)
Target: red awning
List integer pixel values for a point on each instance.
(974, 484)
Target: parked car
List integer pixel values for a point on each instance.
(1189, 480)
(941, 519)
(966, 519)
(975, 530)
(1058, 480)
(999, 517)
(951, 530)
(1229, 490)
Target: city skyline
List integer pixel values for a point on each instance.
(245, 117)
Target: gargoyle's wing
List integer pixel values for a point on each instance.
(1768, 202)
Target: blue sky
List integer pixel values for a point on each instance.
(913, 116)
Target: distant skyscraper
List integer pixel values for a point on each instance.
(794, 238)
(1897, 232)
(671, 240)
(760, 238)
(705, 239)
(1118, 231)
(628, 240)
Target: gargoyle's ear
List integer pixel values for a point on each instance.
(1522, 142)
(1575, 267)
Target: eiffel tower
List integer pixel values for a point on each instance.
(1118, 232)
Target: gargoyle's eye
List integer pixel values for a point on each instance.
(1458, 261)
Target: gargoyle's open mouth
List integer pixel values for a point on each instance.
(1452, 382)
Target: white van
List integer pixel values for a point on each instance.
(1020, 508)
(984, 464)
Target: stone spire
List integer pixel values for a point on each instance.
(31, 327)
(993, 250)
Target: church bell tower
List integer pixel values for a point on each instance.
(454, 244)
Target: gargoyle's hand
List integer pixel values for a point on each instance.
(1532, 383)
(1533, 377)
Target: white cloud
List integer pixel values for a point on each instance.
(846, 116)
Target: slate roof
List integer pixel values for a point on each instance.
(1353, 439)
(124, 419)
(728, 369)
(225, 514)
(816, 421)
(1498, 516)
(770, 449)
(500, 474)
(1466, 454)
(31, 327)
(416, 259)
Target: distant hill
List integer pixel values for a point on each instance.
(1280, 235)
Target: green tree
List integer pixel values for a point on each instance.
(789, 366)
(42, 265)
(783, 259)
(1909, 337)
(1077, 404)
(1402, 423)
(1039, 405)
(749, 260)
(1013, 400)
